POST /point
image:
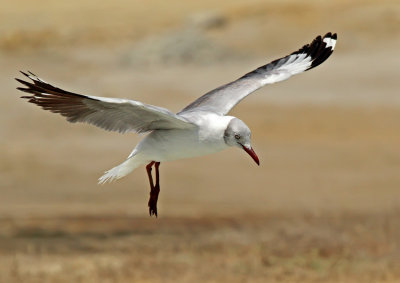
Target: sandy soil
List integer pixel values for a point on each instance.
(322, 207)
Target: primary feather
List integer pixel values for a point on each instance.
(112, 114)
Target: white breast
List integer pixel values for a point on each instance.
(167, 145)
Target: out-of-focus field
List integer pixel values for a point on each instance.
(324, 206)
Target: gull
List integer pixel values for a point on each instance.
(203, 127)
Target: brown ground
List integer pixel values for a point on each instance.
(324, 206)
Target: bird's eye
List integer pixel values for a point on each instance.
(237, 136)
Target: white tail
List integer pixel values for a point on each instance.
(121, 170)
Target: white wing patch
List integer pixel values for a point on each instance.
(330, 42)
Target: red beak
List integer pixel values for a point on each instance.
(253, 155)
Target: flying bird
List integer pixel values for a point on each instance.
(203, 127)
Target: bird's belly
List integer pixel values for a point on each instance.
(177, 144)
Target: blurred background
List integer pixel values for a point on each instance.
(323, 206)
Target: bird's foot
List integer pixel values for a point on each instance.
(152, 207)
(153, 202)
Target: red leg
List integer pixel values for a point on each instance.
(148, 169)
(157, 165)
(155, 189)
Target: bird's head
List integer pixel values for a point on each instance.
(238, 134)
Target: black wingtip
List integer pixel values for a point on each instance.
(322, 50)
(23, 82)
(31, 86)
(25, 74)
(331, 35)
(30, 76)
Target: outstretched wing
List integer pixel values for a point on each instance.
(112, 114)
(222, 99)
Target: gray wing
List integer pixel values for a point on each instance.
(222, 99)
(112, 114)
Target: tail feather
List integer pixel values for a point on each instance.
(120, 171)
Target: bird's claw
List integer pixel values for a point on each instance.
(152, 206)
(153, 211)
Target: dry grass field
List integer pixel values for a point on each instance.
(324, 206)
